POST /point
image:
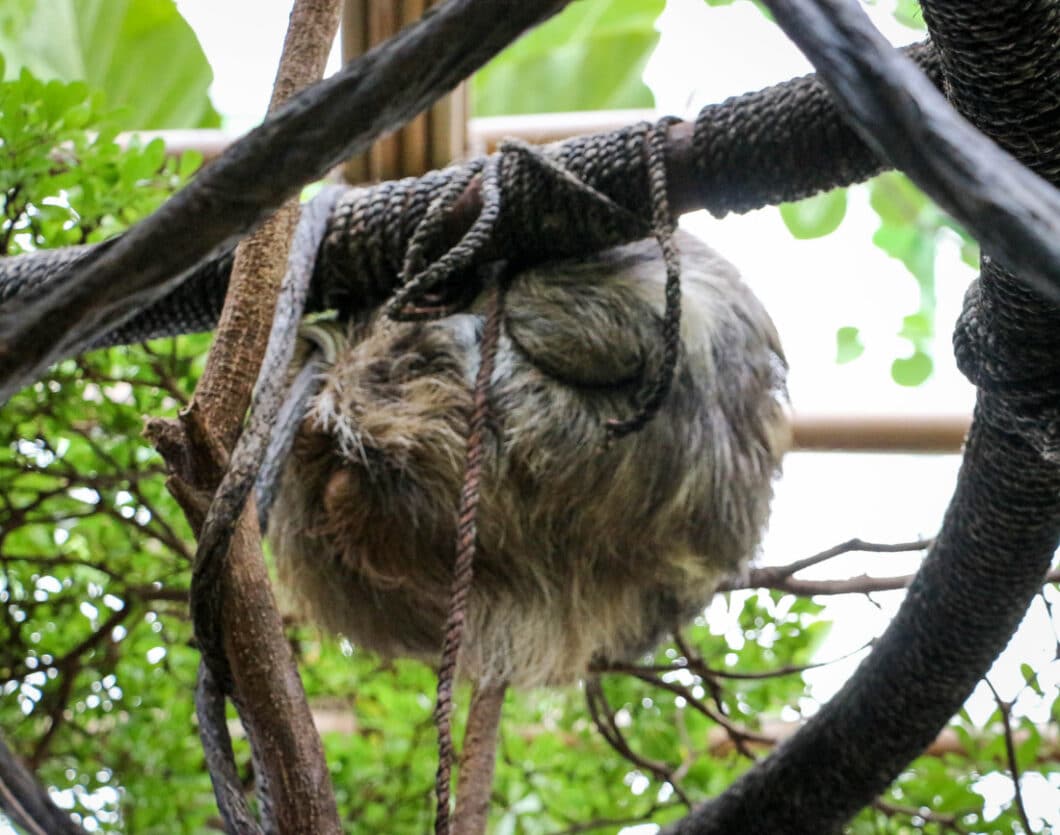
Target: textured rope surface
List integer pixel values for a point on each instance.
(434, 282)
(777, 144)
(663, 225)
(463, 567)
(1007, 340)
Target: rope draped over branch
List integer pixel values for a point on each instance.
(782, 143)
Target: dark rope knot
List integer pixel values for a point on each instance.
(395, 237)
(1007, 343)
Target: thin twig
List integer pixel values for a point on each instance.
(1005, 709)
(604, 718)
(893, 809)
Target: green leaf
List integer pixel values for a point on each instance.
(911, 245)
(912, 371)
(589, 57)
(917, 327)
(815, 216)
(140, 53)
(908, 13)
(848, 345)
(970, 253)
(1030, 678)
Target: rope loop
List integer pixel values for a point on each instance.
(513, 181)
(1008, 346)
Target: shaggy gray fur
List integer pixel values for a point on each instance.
(584, 551)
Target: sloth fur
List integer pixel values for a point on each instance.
(585, 552)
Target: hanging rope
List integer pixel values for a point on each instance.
(430, 289)
(663, 224)
(463, 567)
(431, 286)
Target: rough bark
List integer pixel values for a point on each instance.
(267, 688)
(477, 760)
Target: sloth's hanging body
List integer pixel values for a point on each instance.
(585, 550)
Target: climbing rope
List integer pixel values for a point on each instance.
(463, 567)
(432, 285)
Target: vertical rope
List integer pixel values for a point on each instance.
(463, 568)
(663, 225)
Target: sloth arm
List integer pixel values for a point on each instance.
(589, 323)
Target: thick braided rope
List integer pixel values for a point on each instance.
(663, 225)
(419, 278)
(434, 283)
(1007, 340)
(766, 147)
(463, 567)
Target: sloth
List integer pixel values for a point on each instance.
(587, 551)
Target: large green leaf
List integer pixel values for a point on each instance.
(817, 216)
(140, 53)
(590, 57)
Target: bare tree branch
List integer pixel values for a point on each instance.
(27, 803)
(1005, 709)
(243, 634)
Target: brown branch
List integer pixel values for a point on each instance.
(27, 802)
(951, 821)
(696, 664)
(613, 824)
(948, 743)
(850, 545)
(68, 667)
(604, 718)
(774, 576)
(862, 584)
(477, 760)
(266, 685)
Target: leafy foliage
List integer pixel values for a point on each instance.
(102, 42)
(93, 551)
(815, 216)
(589, 56)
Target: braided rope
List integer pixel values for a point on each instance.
(463, 567)
(663, 225)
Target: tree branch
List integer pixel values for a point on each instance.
(264, 678)
(477, 760)
(317, 129)
(782, 143)
(27, 803)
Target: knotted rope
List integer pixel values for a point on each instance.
(433, 284)
(463, 567)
